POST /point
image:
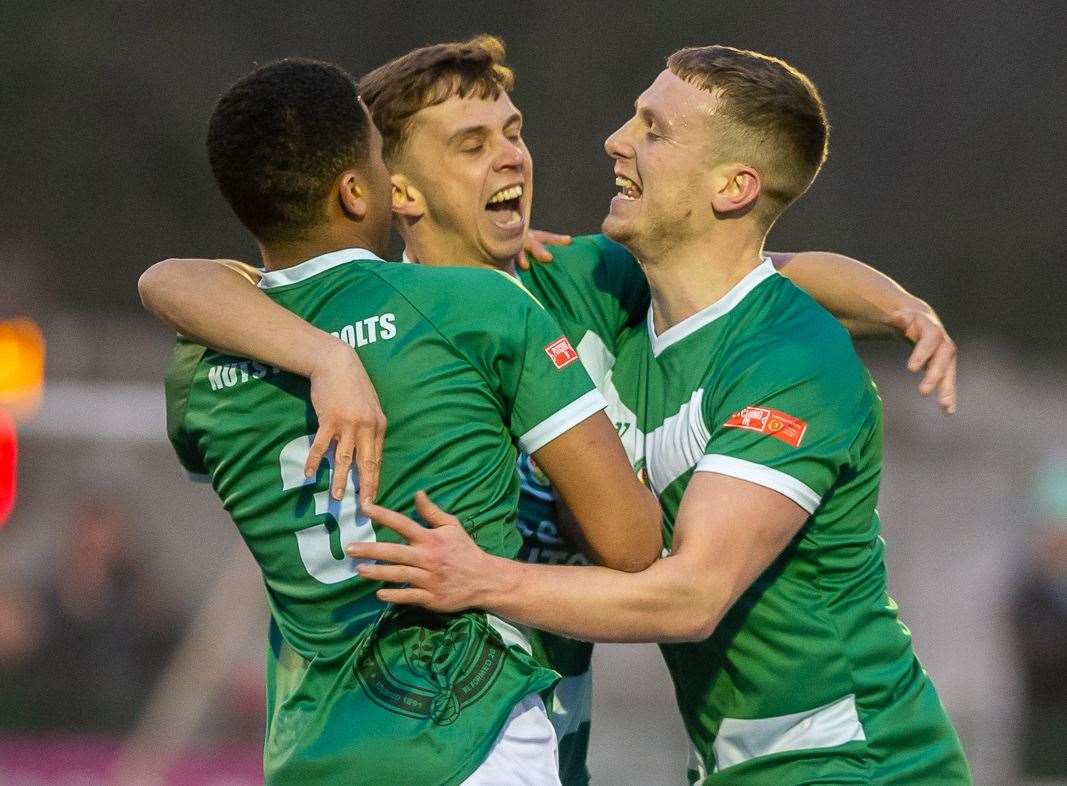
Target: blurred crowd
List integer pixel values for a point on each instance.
(82, 653)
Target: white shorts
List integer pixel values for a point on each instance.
(526, 752)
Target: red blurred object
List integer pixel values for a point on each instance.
(8, 459)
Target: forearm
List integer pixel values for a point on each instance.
(218, 307)
(862, 298)
(660, 604)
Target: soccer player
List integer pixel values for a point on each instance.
(449, 132)
(761, 434)
(360, 691)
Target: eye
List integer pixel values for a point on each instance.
(652, 136)
(472, 147)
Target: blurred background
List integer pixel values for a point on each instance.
(131, 618)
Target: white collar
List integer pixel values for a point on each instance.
(406, 258)
(706, 316)
(313, 266)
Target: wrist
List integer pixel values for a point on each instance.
(501, 580)
(905, 303)
(327, 354)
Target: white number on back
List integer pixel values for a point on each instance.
(314, 542)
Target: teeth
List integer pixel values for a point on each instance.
(514, 192)
(630, 189)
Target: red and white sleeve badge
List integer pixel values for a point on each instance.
(773, 422)
(561, 352)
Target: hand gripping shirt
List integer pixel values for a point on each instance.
(361, 692)
(811, 676)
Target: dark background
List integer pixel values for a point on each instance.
(946, 166)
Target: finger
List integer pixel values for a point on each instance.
(394, 574)
(369, 460)
(522, 261)
(947, 393)
(537, 248)
(937, 366)
(368, 464)
(398, 553)
(416, 597)
(551, 238)
(319, 446)
(432, 514)
(342, 464)
(397, 522)
(930, 338)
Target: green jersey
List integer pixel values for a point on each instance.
(810, 677)
(595, 290)
(359, 691)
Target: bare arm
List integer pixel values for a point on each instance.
(872, 305)
(618, 518)
(727, 533)
(217, 304)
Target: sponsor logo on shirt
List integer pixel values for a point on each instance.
(772, 422)
(561, 352)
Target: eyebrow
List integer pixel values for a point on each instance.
(483, 130)
(649, 115)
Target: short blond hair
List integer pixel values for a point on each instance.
(778, 118)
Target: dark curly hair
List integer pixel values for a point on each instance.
(277, 140)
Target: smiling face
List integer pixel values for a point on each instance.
(467, 159)
(664, 165)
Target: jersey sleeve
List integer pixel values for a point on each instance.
(593, 283)
(788, 424)
(547, 389)
(179, 381)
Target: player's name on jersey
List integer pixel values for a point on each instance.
(380, 327)
(367, 331)
(228, 375)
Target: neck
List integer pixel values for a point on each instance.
(430, 247)
(280, 255)
(687, 277)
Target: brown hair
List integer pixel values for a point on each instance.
(424, 77)
(774, 114)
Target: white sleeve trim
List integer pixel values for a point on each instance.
(774, 479)
(564, 420)
(195, 477)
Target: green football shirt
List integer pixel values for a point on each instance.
(595, 290)
(359, 691)
(811, 676)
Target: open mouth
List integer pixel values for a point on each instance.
(628, 189)
(506, 206)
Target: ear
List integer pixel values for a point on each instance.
(408, 200)
(352, 195)
(737, 187)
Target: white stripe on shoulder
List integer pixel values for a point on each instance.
(564, 420)
(761, 475)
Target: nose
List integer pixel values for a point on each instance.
(617, 145)
(509, 157)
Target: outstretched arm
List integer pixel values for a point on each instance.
(871, 305)
(217, 304)
(727, 533)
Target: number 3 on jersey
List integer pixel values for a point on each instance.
(314, 542)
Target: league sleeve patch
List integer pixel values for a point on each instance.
(773, 422)
(561, 353)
